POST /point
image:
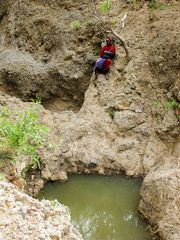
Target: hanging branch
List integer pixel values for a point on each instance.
(122, 24)
(108, 29)
(94, 14)
(19, 7)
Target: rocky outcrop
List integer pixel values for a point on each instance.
(161, 201)
(123, 123)
(22, 217)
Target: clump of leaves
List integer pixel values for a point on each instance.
(113, 22)
(105, 6)
(136, 4)
(155, 4)
(54, 203)
(23, 133)
(111, 111)
(75, 25)
(100, 36)
(172, 104)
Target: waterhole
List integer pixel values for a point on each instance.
(102, 208)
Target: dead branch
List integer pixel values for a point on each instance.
(19, 7)
(95, 15)
(108, 29)
(122, 24)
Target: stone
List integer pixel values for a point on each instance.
(127, 120)
(40, 220)
(93, 163)
(160, 195)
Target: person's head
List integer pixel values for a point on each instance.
(109, 41)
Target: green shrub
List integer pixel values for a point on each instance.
(136, 2)
(172, 104)
(96, 52)
(75, 25)
(113, 22)
(54, 203)
(111, 111)
(155, 4)
(105, 6)
(22, 134)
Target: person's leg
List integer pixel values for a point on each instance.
(96, 74)
(106, 74)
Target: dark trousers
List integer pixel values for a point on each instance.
(100, 71)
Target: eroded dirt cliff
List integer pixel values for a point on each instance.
(123, 123)
(38, 45)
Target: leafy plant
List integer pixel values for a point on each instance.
(54, 203)
(113, 22)
(100, 36)
(173, 104)
(75, 25)
(105, 6)
(136, 3)
(22, 133)
(96, 52)
(155, 4)
(111, 111)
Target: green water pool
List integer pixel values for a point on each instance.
(102, 207)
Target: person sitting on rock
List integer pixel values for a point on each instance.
(108, 50)
(107, 54)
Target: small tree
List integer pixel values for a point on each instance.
(21, 134)
(107, 24)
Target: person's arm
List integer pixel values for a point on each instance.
(102, 51)
(110, 49)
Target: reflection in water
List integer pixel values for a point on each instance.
(102, 208)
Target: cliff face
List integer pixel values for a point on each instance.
(123, 123)
(39, 44)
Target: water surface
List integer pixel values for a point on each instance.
(102, 208)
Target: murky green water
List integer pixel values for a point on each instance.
(102, 208)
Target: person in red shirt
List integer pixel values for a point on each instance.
(108, 50)
(103, 64)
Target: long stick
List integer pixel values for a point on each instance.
(109, 29)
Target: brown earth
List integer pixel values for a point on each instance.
(123, 124)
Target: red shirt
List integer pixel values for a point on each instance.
(110, 48)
